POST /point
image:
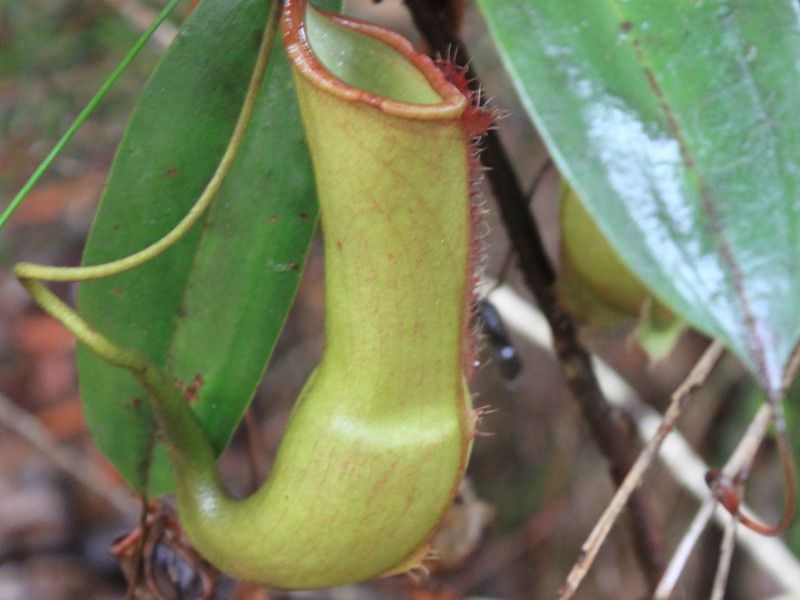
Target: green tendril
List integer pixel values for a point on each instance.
(174, 415)
(27, 272)
(31, 275)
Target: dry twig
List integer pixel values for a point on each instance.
(739, 460)
(770, 554)
(71, 462)
(724, 562)
(592, 545)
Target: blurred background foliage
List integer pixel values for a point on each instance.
(537, 466)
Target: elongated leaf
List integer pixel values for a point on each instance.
(211, 307)
(675, 122)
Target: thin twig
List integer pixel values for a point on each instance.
(681, 556)
(71, 462)
(607, 426)
(137, 567)
(724, 563)
(530, 194)
(591, 546)
(538, 177)
(729, 538)
(728, 543)
(121, 67)
(739, 461)
(769, 553)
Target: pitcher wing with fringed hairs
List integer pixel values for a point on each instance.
(380, 435)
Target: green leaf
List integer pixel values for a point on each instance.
(214, 303)
(675, 122)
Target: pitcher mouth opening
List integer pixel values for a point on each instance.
(294, 26)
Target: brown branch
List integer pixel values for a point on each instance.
(769, 553)
(592, 545)
(64, 457)
(608, 426)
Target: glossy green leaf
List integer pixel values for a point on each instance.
(213, 305)
(675, 122)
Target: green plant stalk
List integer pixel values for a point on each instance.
(176, 417)
(195, 457)
(84, 114)
(379, 438)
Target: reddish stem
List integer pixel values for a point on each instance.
(723, 490)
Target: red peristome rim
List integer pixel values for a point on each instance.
(303, 58)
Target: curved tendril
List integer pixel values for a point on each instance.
(171, 409)
(723, 488)
(28, 271)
